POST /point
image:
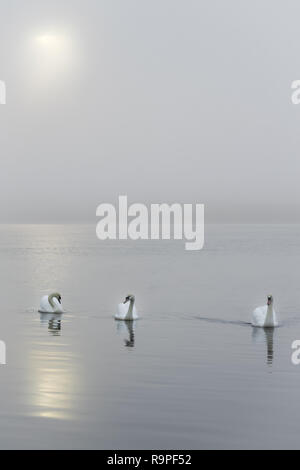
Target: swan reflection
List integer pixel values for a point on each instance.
(52, 321)
(127, 327)
(260, 335)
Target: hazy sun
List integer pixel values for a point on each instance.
(52, 55)
(51, 41)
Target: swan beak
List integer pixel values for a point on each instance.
(125, 301)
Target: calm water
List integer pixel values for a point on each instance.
(190, 374)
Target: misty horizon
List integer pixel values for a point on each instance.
(168, 102)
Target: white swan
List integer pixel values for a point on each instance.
(51, 304)
(127, 311)
(265, 317)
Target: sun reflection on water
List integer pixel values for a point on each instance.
(55, 376)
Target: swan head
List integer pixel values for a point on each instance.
(270, 300)
(56, 296)
(129, 298)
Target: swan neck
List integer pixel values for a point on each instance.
(129, 315)
(270, 309)
(50, 299)
(269, 317)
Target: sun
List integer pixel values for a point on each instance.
(49, 40)
(53, 44)
(52, 55)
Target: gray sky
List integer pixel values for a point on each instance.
(161, 100)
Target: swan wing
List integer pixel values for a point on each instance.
(123, 310)
(259, 316)
(45, 307)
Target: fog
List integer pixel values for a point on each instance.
(162, 101)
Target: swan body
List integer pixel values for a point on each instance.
(265, 316)
(51, 304)
(127, 310)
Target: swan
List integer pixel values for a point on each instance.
(265, 317)
(127, 312)
(51, 304)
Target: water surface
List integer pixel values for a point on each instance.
(192, 373)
